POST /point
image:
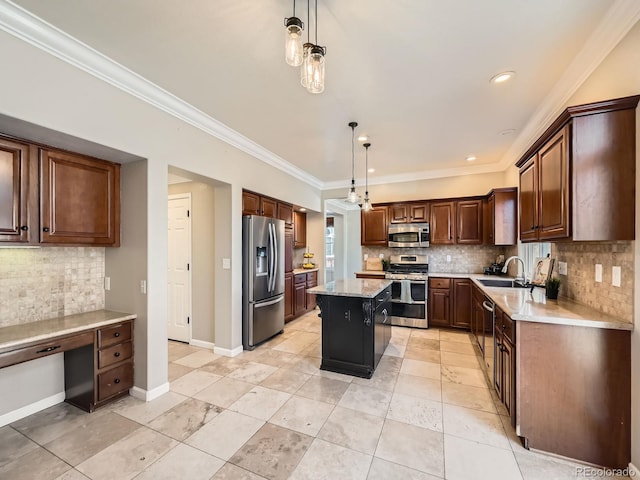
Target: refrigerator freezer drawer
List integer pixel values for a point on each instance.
(264, 320)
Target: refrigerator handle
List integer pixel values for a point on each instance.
(271, 302)
(275, 256)
(271, 259)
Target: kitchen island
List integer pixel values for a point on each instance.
(356, 326)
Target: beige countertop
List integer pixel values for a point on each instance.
(297, 271)
(371, 272)
(17, 335)
(352, 287)
(523, 305)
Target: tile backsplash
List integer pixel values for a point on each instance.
(464, 258)
(41, 283)
(579, 284)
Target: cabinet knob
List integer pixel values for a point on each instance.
(117, 354)
(117, 380)
(45, 229)
(24, 228)
(117, 334)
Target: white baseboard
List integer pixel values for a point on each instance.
(148, 395)
(634, 472)
(228, 352)
(202, 344)
(30, 409)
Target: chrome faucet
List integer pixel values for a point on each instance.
(522, 279)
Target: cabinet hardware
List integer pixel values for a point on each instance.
(48, 349)
(45, 229)
(117, 380)
(117, 334)
(117, 354)
(24, 228)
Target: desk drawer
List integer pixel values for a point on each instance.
(45, 348)
(115, 381)
(115, 354)
(114, 334)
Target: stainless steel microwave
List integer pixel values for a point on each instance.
(409, 235)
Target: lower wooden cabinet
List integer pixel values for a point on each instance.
(288, 297)
(505, 362)
(450, 302)
(312, 281)
(299, 294)
(461, 310)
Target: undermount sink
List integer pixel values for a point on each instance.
(494, 282)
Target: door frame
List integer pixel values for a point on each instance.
(179, 196)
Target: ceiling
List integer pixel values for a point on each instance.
(414, 73)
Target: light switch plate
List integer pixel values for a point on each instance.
(366, 257)
(599, 272)
(448, 258)
(381, 255)
(616, 276)
(226, 264)
(107, 283)
(143, 287)
(562, 268)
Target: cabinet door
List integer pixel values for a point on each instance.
(299, 229)
(312, 281)
(399, 213)
(498, 373)
(288, 296)
(469, 216)
(439, 307)
(285, 213)
(504, 216)
(300, 299)
(250, 203)
(488, 220)
(419, 213)
(529, 201)
(268, 207)
(14, 191)
(80, 199)
(373, 227)
(554, 187)
(288, 251)
(461, 303)
(442, 223)
(508, 377)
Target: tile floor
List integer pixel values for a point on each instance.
(427, 413)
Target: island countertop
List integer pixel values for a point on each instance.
(352, 287)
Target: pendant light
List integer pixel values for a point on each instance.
(366, 206)
(293, 39)
(314, 65)
(353, 197)
(305, 70)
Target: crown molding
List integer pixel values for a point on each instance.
(22, 24)
(616, 23)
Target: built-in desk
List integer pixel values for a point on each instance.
(97, 347)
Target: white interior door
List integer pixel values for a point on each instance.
(179, 274)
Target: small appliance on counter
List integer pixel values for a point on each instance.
(496, 267)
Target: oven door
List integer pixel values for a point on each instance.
(409, 303)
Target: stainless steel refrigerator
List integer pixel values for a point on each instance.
(262, 279)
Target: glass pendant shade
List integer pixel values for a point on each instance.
(316, 70)
(353, 197)
(293, 41)
(366, 206)
(305, 70)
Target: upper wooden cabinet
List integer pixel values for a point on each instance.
(255, 204)
(373, 226)
(442, 225)
(15, 167)
(469, 222)
(577, 181)
(285, 213)
(299, 229)
(500, 217)
(79, 199)
(409, 212)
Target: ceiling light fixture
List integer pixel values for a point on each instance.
(314, 62)
(363, 138)
(502, 77)
(293, 43)
(470, 158)
(371, 170)
(366, 206)
(353, 197)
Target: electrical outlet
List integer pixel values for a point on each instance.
(226, 264)
(107, 283)
(448, 258)
(381, 255)
(562, 268)
(366, 257)
(616, 276)
(143, 287)
(599, 272)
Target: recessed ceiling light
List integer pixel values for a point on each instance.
(470, 158)
(363, 138)
(508, 131)
(371, 170)
(502, 77)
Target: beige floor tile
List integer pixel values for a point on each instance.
(450, 336)
(367, 400)
(475, 425)
(185, 419)
(273, 452)
(419, 368)
(13, 445)
(399, 340)
(459, 360)
(275, 358)
(323, 389)
(297, 342)
(194, 381)
(426, 343)
(395, 350)
(260, 402)
(328, 461)
(36, 464)
(72, 474)
(83, 442)
(352, 429)
(457, 347)
(416, 411)
(177, 350)
(383, 470)
(313, 350)
(224, 392)
(477, 398)
(419, 387)
(302, 415)
(423, 354)
(143, 412)
(410, 446)
(197, 359)
(538, 466)
(383, 378)
(225, 434)
(183, 462)
(514, 440)
(336, 376)
(176, 371)
(466, 459)
(464, 376)
(429, 333)
(308, 365)
(252, 372)
(224, 365)
(286, 380)
(134, 453)
(232, 472)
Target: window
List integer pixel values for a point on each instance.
(529, 252)
(329, 254)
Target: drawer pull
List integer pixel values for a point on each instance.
(117, 354)
(117, 334)
(48, 349)
(117, 380)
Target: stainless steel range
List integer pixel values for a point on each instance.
(408, 290)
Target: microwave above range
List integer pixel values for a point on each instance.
(408, 235)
